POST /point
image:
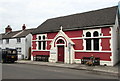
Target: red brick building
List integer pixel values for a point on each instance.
(70, 38)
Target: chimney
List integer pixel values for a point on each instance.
(8, 29)
(23, 27)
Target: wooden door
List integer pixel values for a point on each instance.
(60, 53)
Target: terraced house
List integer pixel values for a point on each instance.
(69, 38)
(20, 40)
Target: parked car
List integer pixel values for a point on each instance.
(8, 55)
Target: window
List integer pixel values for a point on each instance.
(44, 45)
(95, 34)
(96, 44)
(92, 43)
(88, 44)
(19, 50)
(88, 41)
(43, 37)
(39, 45)
(18, 40)
(7, 41)
(60, 41)
(88, 34)
(96, 40)
(41, 42)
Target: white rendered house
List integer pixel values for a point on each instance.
(20, 40)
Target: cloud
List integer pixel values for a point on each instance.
(34, 12)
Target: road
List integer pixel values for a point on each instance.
(25, 71)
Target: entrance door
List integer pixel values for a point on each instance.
(60, 53)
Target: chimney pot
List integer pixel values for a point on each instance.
(8, 29)
(23, 27)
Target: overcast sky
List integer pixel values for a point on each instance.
(34, 12)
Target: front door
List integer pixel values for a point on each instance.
(60, 53)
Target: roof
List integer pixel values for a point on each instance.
(16, 34)
(99, 17)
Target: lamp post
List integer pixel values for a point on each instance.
(69, 48)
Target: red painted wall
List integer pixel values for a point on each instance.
(34, 37)
(34, 45)
(34, 53)
(103, 56)
(48, 45)
(105, 43)
(77, 33)
(51, 35)
(106, 31)
(34, 42)
(78, 44)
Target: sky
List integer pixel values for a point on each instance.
(34, 12)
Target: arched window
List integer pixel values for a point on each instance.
(88, 34)
(95, 34)
(88, 41)
(43, 37)
(96, 40)
(60, 41)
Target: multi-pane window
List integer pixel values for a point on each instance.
(92, 43)
(42, 42)
(18, 40)
(7, 41)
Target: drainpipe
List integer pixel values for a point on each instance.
(69, 48)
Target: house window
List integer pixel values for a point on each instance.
(96, 40)
(18, 40)
(42, 42)
(19, 50)
(7, 41)
(88, 41)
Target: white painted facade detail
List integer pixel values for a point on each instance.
(24, 45)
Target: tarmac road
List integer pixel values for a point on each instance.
(26, 71)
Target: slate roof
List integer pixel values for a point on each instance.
(16, 34)
(99, 17)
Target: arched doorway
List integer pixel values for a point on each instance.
(60, 47)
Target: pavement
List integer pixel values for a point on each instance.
(105, 69)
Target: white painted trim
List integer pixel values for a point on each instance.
(42, 40)
(40, 50)
(78, 38)
(91, 51)
(91, 37)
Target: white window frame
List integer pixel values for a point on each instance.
(41, 42)
(92, 42)
(18, 40)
